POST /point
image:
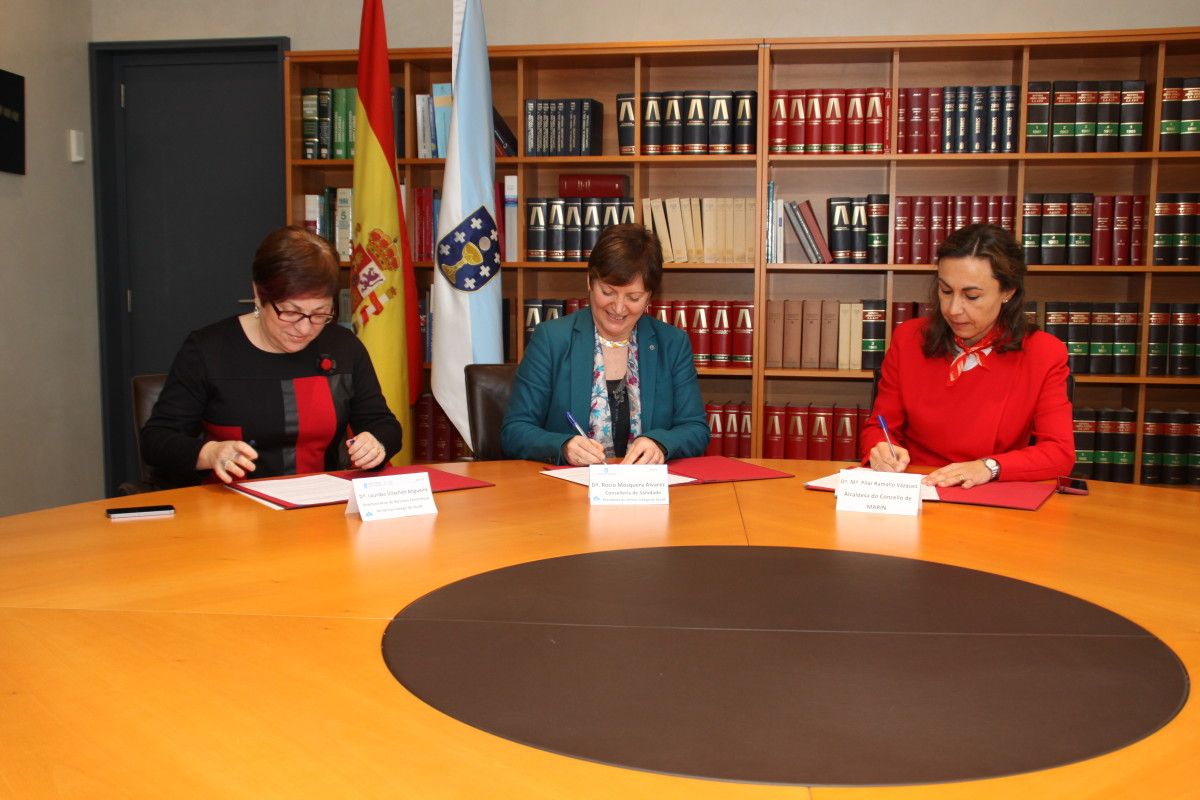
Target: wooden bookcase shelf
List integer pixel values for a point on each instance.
(602, 70)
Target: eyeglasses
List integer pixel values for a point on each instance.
(292, 317)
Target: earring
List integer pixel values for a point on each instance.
(257, 312)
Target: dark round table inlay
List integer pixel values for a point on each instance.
(785, 665)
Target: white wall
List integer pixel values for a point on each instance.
(50, 443)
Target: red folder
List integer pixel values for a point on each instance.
(719, 469)
(439, 481)
(1021, 495)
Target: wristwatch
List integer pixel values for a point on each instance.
(993, 466)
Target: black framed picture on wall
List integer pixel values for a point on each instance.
(12, 123)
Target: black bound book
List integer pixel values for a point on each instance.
(1193, 467)
(979, 126)
(695, 126)
(533, 316)
(1079, 228)
(1037, 117)
(610, 212)
(504, 136)
(652, 124)
(591, 127)
(1123, 438)
(1079, 336)
(1103, 332)
(841, 240)
(1164, 229)
(1158, 342)
(556, 229)
(324, 122)
(874, 332)
(535, 229)
(858, 230)
(1108, 117)
(1175, 447)
(573, 238)
(1172, 108)
(720, 122)
(1010, 118)
(1084, 424)
(949, 104)
(745, 121)
(1086, 95)
(1125, 339)
(1189, 117)
(1133, 110)
(1153, 432)
(626, 124)
(1181, 352)
(1057, 317)
(1031, 228)
(398, 120)
(628, 214)
(590, 230)
(877, 228)
(995, 118)
(1054, 228)
(1106, 444)
(1062, 118)
(1185, 228)
(672, 127)
(962, 120)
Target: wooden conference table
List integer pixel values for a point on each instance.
(234, 650)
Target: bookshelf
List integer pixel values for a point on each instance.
(603, 70)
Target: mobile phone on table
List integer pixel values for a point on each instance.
(139, 512)
(1072, 486)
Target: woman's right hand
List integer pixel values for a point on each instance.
(882, 460)
(580, 451)
(229, 460)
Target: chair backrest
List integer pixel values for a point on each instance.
(488, 389)
(146, 389)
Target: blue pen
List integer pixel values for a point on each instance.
(883, 426)
(575, 424)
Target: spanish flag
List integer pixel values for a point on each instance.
(383, 291)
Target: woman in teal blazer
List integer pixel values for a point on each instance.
(626, 378)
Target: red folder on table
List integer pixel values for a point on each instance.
(1022, 495)
(720, 469)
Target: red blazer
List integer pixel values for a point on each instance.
(991, 410)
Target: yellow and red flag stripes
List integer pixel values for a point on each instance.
(383, 291)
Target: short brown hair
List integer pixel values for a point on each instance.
(625, 252)
(1007, 259)
(294, 262)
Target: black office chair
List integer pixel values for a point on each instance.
(488, 389)
(146, 389)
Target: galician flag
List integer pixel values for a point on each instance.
(383, 291)
(466, 281)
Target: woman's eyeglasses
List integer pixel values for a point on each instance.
(292, 317)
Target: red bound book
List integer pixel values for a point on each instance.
(777, 132)
(679, 315)
(814, 100)
(902, 231)
(920, 229)
(796, 124)
(604, 185)
(442, 443)
(659, 309)
(833, 124)
(864, 414)
(810, 221)
(888, 135)
(939, 221)
(773, 425)
(745, 431)
(902, 312)
(730, 419)
(716, 428)
(901, 135)
(722, 332)
(1122, 219)
(1137, 230)
(933, 120)
(856, 116)
(925, 309)
(742, 346)
(423, 448)
(918, 133)
(571, 305)
(845, 433)
(795, 432)
(1008, 213)
(1102, 229)
(875, 138)
(978, 209)
(700, 314)
(962, 212)
(820, 433)
(993, 209)
(461, 451)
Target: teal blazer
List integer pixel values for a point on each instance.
(556, 376)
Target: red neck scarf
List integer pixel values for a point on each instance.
(960, 362)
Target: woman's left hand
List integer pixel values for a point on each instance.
(643, 451)
(964, 473)
(365, 451)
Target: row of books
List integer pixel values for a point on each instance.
(425, 320)
(1179, 128)
(924, 221)
(1177, 228)
(829, 121)
(721, 332)
(433, 113)
(330, 214)
(1102, 338)
(818, 432)
(1170, 446)
(435, 440)
(692, 122)
(566, 228)
(824, 334)
(571, 126)
(1085, 116)
(958, 119)
(858, 230)
(704, 230)
(538, 310)
(1082, 228)
(327, 122)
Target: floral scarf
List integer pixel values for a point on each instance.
(600, 415)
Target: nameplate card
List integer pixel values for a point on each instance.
(879, 492)
(390, 496)
(628, 485)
